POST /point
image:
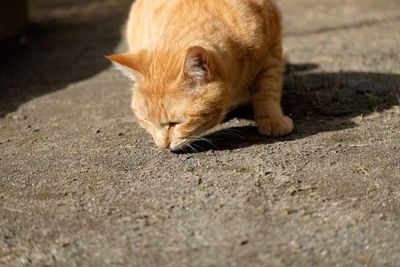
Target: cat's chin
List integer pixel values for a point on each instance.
(176, 146)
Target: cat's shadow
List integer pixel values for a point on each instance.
(317, 102)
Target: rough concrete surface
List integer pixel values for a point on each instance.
(81, 184)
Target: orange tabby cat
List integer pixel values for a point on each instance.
(191, 60)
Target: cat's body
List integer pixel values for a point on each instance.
(194, 59)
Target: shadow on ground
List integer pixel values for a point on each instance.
(63, 46)
(317, 102)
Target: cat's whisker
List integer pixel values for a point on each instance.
(229, 111)
(206, 140)
(232, 132)
(192, 147)
(202, 149)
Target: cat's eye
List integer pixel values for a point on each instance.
(173, 123)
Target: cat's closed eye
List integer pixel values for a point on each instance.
(173, 123)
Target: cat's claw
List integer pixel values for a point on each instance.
(275, 126)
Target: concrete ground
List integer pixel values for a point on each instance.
(81, 184)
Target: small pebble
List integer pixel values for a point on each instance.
(19, 117)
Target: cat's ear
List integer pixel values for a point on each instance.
(197, 65)
(130, 64)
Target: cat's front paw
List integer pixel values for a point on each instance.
(275, 126)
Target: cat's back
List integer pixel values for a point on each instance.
(178, 22)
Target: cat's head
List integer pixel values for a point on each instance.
(176, 96)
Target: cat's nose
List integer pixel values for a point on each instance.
(164, 144)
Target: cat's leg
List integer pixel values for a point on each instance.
(266, 97)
